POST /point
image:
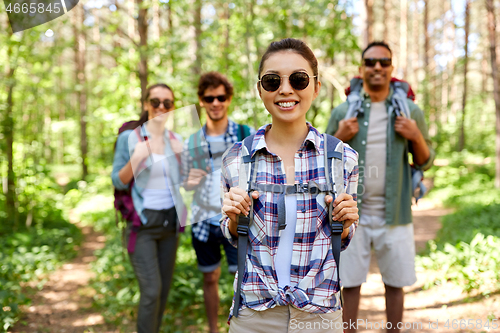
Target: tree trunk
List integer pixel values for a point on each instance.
(369, 22)
(403, 39)
(197, 37)
(8, 132)
(142, 25)
(461, 139)
(415, 45)
(387, 9)
(227, 15)
(496, 86)
(197, 34)
(81, 95)
(426, 56)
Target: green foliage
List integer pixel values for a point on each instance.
(117, 291)
(466, 248)
(26, 256)
(466, 180)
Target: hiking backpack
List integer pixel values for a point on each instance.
(123, 198)
(402, 91)
(334, 154)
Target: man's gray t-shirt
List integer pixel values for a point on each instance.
(375, 166)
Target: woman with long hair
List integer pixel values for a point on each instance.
(145, 163)
(290, 281)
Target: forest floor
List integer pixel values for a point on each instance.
(64, 303)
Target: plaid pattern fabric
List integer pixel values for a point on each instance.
(314, 286)
(199, 215)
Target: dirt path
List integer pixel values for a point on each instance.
(424, 307)
(64, 303)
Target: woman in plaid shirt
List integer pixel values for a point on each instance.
(290, 282)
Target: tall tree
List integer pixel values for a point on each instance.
(197, 37)
(79, 47)
(369, 21)
(461, 139)
(142, 25)
(426, 56)
(496, 85)
(403, 38)
(8, 130)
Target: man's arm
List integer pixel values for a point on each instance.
(343, 129)
(416, 132)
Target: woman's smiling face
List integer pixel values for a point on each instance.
(286, 104)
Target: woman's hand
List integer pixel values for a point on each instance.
(141, 151)
(236, 202)
(345, 210)
(176, 146)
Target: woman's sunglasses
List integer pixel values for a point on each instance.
(155, 102)
(210, 99)
(298, 81)
(372, 62)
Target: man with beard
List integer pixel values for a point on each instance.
(201, 164)
(382, 137)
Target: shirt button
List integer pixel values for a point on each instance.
(368, 105)
(366, 123)
(363, 142)
(303, 210)
(300, 154)
(361, 162)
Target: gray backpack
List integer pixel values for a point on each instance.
(400, 105)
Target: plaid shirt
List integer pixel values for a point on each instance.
(199, 215)
(314, 286)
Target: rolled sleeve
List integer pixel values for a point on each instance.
(121, 158)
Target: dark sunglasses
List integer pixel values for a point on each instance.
(155, 102)
(298, 81)
(210, 99)
(372, 62)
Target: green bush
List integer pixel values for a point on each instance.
(26, 256)
(117, 291)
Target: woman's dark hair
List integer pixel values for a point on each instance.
(213, 80)
(144, 115)
(294, 45)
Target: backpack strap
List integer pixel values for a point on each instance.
(334, 155)
(354, 99)
(399, 99)
(400, 105)
(244, 221)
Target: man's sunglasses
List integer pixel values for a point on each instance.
(210, 99)
(372, 62)
(298, 81)
(155, 102)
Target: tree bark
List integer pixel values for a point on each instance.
(227, 15)
(387, 9)
(496, 85)
(80, 79)
(369, 21)
(461, 139)
(403, 39)
(8, 131)
(426, 56)
(197, 34)
(142, 25)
